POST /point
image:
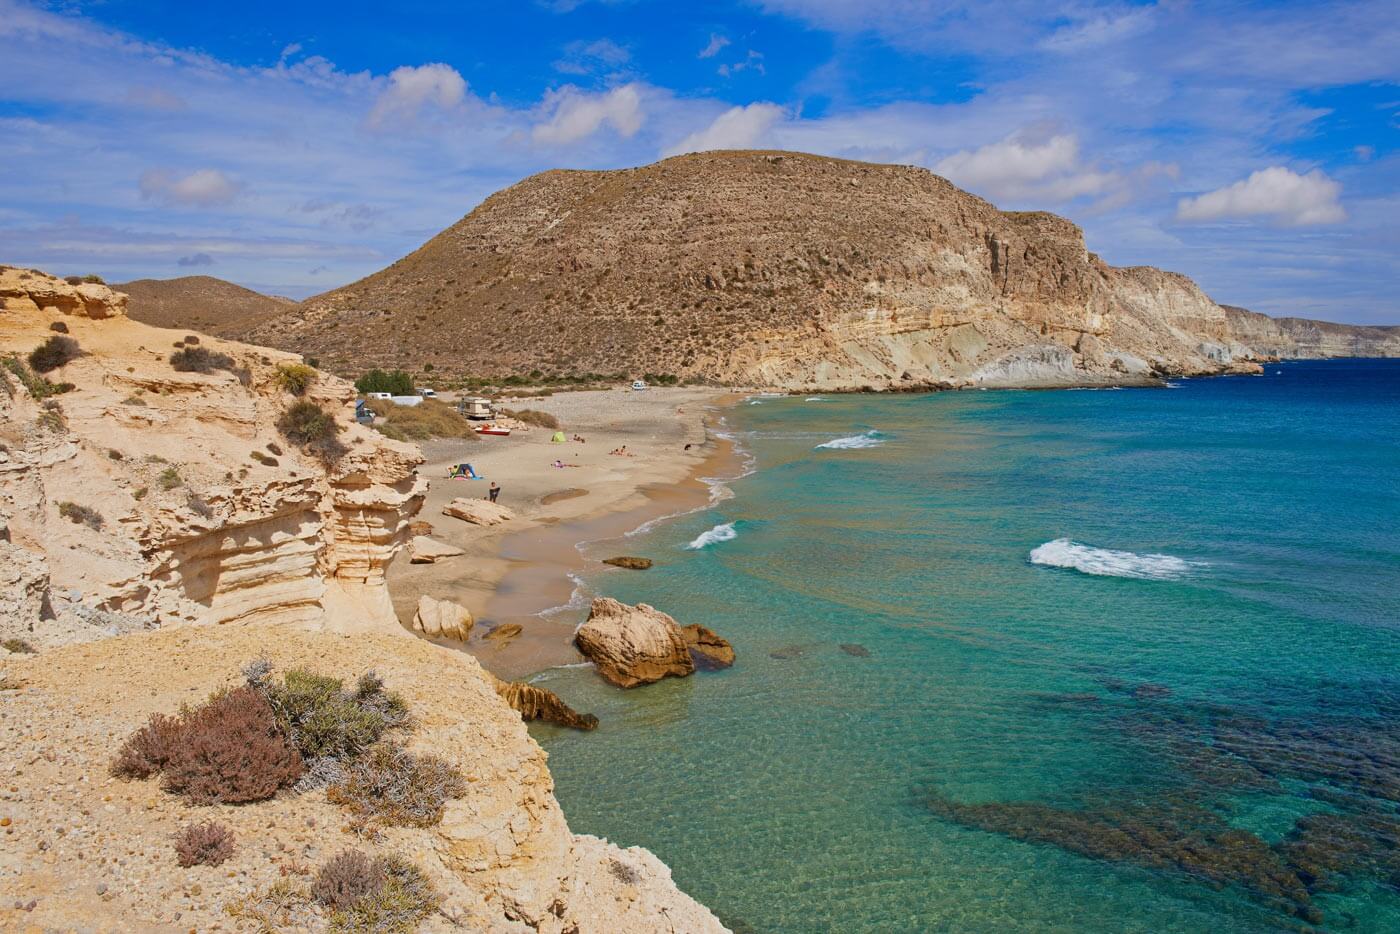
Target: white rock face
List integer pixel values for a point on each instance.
(478, 511)
(442, 619)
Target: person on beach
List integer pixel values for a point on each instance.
(494, 492)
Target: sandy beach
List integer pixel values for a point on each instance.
(511, 572)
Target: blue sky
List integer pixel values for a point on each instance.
(294, 147)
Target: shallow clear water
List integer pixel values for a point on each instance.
(1147, 744)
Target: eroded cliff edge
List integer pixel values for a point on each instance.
(156, 533)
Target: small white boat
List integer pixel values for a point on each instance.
(490, 430)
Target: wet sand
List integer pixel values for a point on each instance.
(512, 572)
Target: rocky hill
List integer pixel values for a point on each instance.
(160, 527)
(764, 268)
(1301, 338)
(200, 303)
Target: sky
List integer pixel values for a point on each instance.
(295, 147)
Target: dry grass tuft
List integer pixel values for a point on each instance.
(432, 418)
(207, 844)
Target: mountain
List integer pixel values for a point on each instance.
(772, 269)
(200, 303)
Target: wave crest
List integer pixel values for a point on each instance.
(852, 443)
(1105, 562)
(720, 533)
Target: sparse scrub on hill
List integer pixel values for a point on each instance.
(201, 360)
(394, 382)
(533, 417)
(51, 417)
(89, 278)
(81, 515)
(206, 844)
(431, 418)
(391, 785)
(169, 478)
(313, 429)
(295, 378)
(231, 751)
(364, 895)
(53, 353)
(59, 327)
(18, 646)
(147, 750)
(326, 721)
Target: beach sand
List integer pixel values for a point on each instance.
(511, 572)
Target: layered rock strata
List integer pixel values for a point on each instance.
(632, 645)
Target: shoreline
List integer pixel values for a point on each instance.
(512, 574)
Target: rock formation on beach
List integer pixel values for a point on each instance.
(478, 511)
(632, 645)
(780, 270)
(164, 520)
(442, 619)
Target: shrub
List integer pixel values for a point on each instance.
(402, 901)
(325, 721)
(204, 360)
(139, 494)
(146, 751)
(51, 418)
(59, 327)
(191, 338)
(392, 785)
(207, 844)
(345, 879)
(79, 280)
(275, 448)
(81, 515)
(199, 506)
(231, 751)
(396, 382)
(54, 353)
(133, 400)
(18, 646)
(432, 418)
(533, 417)
(114, 454)
(295, 378)
(170, 478)
(312, 428)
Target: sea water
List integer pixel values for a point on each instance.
(1078, 661)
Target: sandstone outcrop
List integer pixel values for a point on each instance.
(629, 562)
(707, 648)
(442, 619)
(146, 496)
(788, 271)
(537, 703)
(503, 856)
(478, 511)
(424, 550)
(632, 645)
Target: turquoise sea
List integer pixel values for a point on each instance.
(1182, 714)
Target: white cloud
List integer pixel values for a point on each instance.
(1030, 165)
(576, 115)
(736, 128)
(717, 42)
(204, 188)
(410, 89)
(1277, 193)
(582, 58)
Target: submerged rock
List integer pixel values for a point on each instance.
(536, 703)
(708, 649)
(632, 645)
(442, 619)
(628, 562)
(504, 633)
(853, 648)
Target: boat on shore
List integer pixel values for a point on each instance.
(491, 430)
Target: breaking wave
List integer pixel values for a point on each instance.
(855, 442)
(1105, 562)
(720, 533)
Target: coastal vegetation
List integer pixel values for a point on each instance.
(431, 418)
(313, 429)
(295, 378)
(394, 382)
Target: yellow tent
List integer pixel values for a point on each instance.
(558, 437)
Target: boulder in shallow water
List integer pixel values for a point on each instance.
(478, 511)
(632, 645)
(504, 633)
(855, 649)
(708, 649)
(629, 562)
(442, 619)
(536, 703)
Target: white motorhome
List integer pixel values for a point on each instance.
(477, 409)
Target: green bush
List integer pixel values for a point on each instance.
(54, 353)
(397, 905)
(169, 478)
(533, 417)
(391, 785)
(79, 280)
(295, 378)
(395, 382)
(313, 429)
(324, 720)
(18, 646)
(201, 360)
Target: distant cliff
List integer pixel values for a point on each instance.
(765, 268)
(1300, 338)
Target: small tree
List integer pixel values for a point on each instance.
(395, 382)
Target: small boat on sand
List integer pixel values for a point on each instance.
(490, 430)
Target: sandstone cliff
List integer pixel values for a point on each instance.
(1300, 338)
(780, 270)
(146, 496)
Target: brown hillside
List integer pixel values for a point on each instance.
(765, 268)
(200, 303)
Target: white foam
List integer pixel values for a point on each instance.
(720, 533)
(578, 599)
(1105, 562)
(546, 676)
(853, 443)
(814, 399)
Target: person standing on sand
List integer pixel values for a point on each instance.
(494, 491)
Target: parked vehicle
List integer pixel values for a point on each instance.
(638, 385)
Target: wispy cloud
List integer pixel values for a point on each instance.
(715, 45)
(201, 188)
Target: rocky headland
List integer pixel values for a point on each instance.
(173, 506)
